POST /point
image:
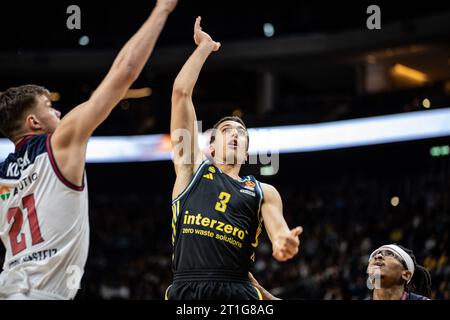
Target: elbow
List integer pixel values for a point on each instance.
(130, 72)
(127, 70)
(180, 92)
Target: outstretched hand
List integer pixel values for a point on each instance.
(285, 246)
(201, 36)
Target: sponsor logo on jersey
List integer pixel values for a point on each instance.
(34, 256)
(212, 169)
(208, 176)
(248, 192)
(4, 193)
(26, 182)
(250, 185)
(16, 168)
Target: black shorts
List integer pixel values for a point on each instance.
(212, 290)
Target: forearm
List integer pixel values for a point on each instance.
(275, 225)
(188, 76)
(135, 53)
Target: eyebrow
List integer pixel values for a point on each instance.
(229, 125)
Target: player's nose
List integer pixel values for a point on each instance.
(378, 256)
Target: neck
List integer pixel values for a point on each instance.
(393, 293)
(16, 138)
(230, 169)
(19, 137)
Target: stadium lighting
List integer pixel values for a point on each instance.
(408, 126)
(138, 93)
(413, 74)
(438, 151)
(55, 96)
(395, 201)
(426, 103)
(237, 113)
(269, 30)
(84, 41)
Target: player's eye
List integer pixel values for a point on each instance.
(241, 132)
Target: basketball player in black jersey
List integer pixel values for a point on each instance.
(217, 214)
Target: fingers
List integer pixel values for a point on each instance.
(197, 26)
(287, 245)
(297, 231)
(285, 253)
(217, 46)
(252, 279)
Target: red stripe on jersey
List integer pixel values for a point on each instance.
(57, 171)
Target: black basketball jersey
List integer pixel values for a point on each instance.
(216, 224)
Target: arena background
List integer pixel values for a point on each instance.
(281, 63)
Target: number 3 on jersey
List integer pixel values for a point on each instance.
(224, 198)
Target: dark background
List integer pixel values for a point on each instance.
(319, 65)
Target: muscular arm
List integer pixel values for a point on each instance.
(285, 242)
(69, 141)
(183, 123)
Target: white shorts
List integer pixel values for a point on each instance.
(33, 295)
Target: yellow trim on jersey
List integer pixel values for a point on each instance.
(166, 294)
(193, 179)
(175, 213)
(260, 297)
(259, 230)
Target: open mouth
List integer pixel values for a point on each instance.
(233, 144)
(379, 264)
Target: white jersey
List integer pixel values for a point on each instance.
(44, 224)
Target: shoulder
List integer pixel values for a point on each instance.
(269, 189)
(25, 154)
(270, 192)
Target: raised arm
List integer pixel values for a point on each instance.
(183, 123)
(285, 242)
(69, 141)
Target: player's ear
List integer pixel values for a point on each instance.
(32, 122)
(406, 275)
(211, 150)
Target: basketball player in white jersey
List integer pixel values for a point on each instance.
(43, 195)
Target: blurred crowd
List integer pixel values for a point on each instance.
(343, 221)
(344, 218)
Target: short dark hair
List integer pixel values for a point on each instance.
(14, 102)
(228, 118)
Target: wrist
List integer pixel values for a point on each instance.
(207, 44)
(163, 9)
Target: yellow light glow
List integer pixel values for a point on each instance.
(395, 201)
(426, 103)
(237, 113)
(55, 96)
(413, 74)
(138, 93)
